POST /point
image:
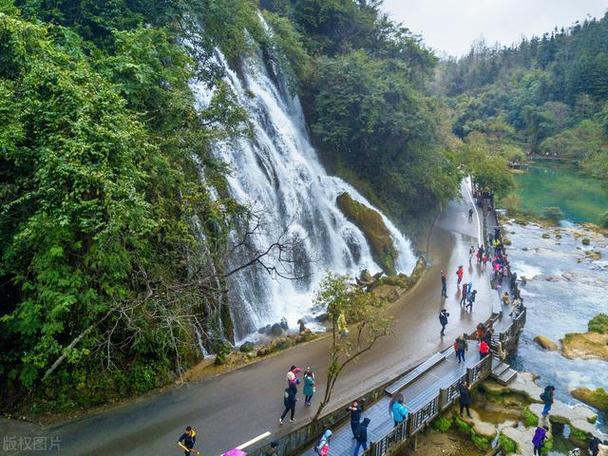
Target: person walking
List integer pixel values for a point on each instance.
(471, 299)
(594, 445)
(292, 376)
(289, 401)
(444, 285)
(355, 410)
(465, 398)
(187, 440)
(470, 215)
(484, 349)
(398, 410)
(362, 437)
(460, 274)
(322, 448)
(547, 398)
(471, 253)
(443, 320)
(461, 347)
(463, 297)
(540, 435)
(309, 386)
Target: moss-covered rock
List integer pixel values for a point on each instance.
(372, 225)
(585, 345)
(597, 398)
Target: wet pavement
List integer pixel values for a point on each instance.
(236, 407)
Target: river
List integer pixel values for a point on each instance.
(566, 286)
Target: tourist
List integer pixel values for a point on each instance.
(309, 386)
(362, 436)
(460, 274)
(471, 299)
(594, 445)
(484, 349)
(471, 253)
(444, 285)
(547, 398)
(461, 347)
(322, 448)
(470, 215)
(443, 320)
(355, 410)
(292, 376)
(480, 332)
(398, 410)
(479, 254)
(488, 336)
(465, 398)
(506, 300)
(540, 435)
(463, 297)
(187, 440)
(289, 401)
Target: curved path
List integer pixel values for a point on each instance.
(238, 406)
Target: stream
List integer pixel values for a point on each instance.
(566, 284)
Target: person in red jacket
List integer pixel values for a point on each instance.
(460, 274)
(484, 349)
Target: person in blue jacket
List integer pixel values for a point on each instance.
(362, 436)
(398, 410)
(187, 440)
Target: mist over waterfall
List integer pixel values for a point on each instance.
(278, 172)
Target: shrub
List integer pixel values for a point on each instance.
(555, 214)
(599, 324)
(247, 347)
(529, 418)
(442, 424)
(507, 444)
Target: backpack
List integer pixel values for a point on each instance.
(286, 397)
(543, 396)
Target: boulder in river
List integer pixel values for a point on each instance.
(597, 398)
(545, 343)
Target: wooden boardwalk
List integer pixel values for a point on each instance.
(426, 389)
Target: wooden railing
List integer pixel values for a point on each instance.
(421, 416)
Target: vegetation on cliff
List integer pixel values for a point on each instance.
(373, 227)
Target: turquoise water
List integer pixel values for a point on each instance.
(549, 184)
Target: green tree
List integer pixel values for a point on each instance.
(364, 314)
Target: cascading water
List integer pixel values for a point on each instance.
(278, 172)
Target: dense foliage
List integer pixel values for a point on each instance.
(101, 150)
(112, 244)
(362, 82)
(546, 95)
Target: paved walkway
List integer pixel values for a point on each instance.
(238, 406)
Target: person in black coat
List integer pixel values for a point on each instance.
(289, 401)
(355, 410)
(443, 320)
(362, 437)
(465, 398)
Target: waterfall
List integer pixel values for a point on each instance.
(279, 172)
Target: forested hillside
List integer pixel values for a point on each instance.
(547, 95)
(115, 215)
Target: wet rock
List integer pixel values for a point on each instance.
(597, 398)
(546, 236)
(276, 330)
(480, 427)
(545, 343)
(577, 416)
(586, 241)
(265, 330)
